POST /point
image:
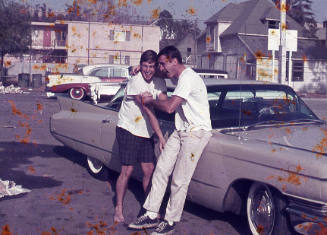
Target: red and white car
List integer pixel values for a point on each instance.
(77, 85)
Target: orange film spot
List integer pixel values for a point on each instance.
(259, 55)
(273, 150)
(63, 198)
(31, 169)
(149, 1)
(246, 112)
(137, 2)
(51, 14)
(26, 117)
(14, 110)
(284, 26)
(122, 3)
(304, 128)
(137, 119)
(155, 13)
(7, 63)
(191, 11)
(26, 140)
(92, 1)
(136, 35)
(284, 187)
(288, 130)
(73, 110)
(208, 39)
(299, 168)
(260, 229)
(192, 157)
(304, 58)
(28, 131)
(322, 146)
(36, 67)
(39, 107)
(209, 56)
(6, 230)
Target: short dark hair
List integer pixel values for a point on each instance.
(149, 56)
(171, 52)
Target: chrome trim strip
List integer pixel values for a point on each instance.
(211, 185)
(305, 199)
(56, 133)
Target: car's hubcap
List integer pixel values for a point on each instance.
(262, 212)
(94, 164)
(77, 93)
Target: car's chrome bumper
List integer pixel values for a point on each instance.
(303, 212)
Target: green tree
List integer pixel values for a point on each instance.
(301, 12)
(172, 30)
(15, 33)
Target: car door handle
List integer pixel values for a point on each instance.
(105, 121)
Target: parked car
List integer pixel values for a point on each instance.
(77, 85)
(211, 73)
(266, 158)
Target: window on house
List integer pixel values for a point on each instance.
(273, 24)
(297, 71)
(114, 59)
(119, 36)
(189, 51)
(127, 59)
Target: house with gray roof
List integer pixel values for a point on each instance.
(236, 40)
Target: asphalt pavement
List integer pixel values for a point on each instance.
(64, 197)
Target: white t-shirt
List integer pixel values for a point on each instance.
(193, 114)
(130, 116)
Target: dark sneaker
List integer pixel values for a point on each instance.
(143, 222)
(164, 229)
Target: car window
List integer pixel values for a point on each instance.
(117, 99)
(251, 104)
(100, 72)
(118, 72)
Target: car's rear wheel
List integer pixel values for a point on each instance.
(96, 168)
(77, 93)
(265, 211)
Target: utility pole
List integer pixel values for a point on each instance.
(282, 46)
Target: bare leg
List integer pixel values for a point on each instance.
(121, 187)
(147, 168)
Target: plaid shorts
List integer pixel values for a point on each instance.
(134, 149)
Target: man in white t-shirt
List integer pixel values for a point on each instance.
(136, 124)
(185, 145)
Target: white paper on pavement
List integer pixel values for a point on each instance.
(9, 188)
(10, 89)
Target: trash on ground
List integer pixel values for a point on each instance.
(10, 89)
(9, 188)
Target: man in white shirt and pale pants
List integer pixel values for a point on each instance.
(184, 147)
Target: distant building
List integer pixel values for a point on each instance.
(236, 41)
(60, 45)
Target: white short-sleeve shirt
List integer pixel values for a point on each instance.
(130, 116)
(193, 114)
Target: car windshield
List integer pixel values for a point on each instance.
(246, 105)
(250, 105)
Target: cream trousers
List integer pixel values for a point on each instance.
(179, 157)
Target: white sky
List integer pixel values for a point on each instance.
(203, 8)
